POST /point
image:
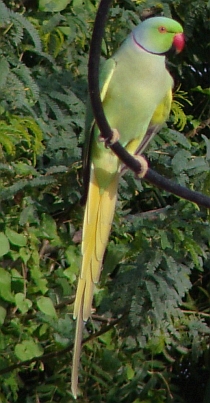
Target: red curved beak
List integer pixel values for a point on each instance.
(179, 42)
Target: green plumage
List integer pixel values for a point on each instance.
(136, 91)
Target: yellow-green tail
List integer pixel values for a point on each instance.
(97, 223)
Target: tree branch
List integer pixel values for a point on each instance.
(62, 352)
(106, 132)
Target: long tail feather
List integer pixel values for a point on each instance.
(77, 351)
(98, 218)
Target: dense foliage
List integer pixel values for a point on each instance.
(149, 341)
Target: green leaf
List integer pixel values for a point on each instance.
(46, 306)
(5, 288)
(53, 6)
(61, 341)
(27, 350)
(4, 71)
(3, 313)
(4, 244)
(129, 372)
(180, 161)
(15, 238)
(205, 91)
(49, 228)
(164, 240)
(38, 277)
(207, 141)
(23, 169)
(25, 254)
(22, 303)
(107, 339)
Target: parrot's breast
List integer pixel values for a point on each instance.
(138, 85)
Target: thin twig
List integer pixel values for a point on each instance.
(203, 314)
(53, 354)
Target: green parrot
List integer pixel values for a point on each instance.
(136, 92)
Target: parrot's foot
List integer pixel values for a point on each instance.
(112, 140)
(144, 165)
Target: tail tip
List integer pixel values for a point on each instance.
(74, 391)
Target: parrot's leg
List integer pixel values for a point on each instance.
(131, 147)
(112, 140)
(144, 165)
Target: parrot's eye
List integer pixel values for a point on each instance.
(162, 30)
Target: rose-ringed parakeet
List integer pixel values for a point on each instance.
(136, 92)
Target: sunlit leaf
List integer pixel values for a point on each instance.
(5, 285)
(15, 238)
(4, 244)
(28, 349)
(46, 306)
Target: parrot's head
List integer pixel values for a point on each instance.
(159, 35)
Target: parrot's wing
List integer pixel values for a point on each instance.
(104, 81)
(159, 117)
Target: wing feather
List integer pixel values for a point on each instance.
(104, 81)
(159, 117)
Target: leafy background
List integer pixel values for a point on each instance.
(149, 338)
